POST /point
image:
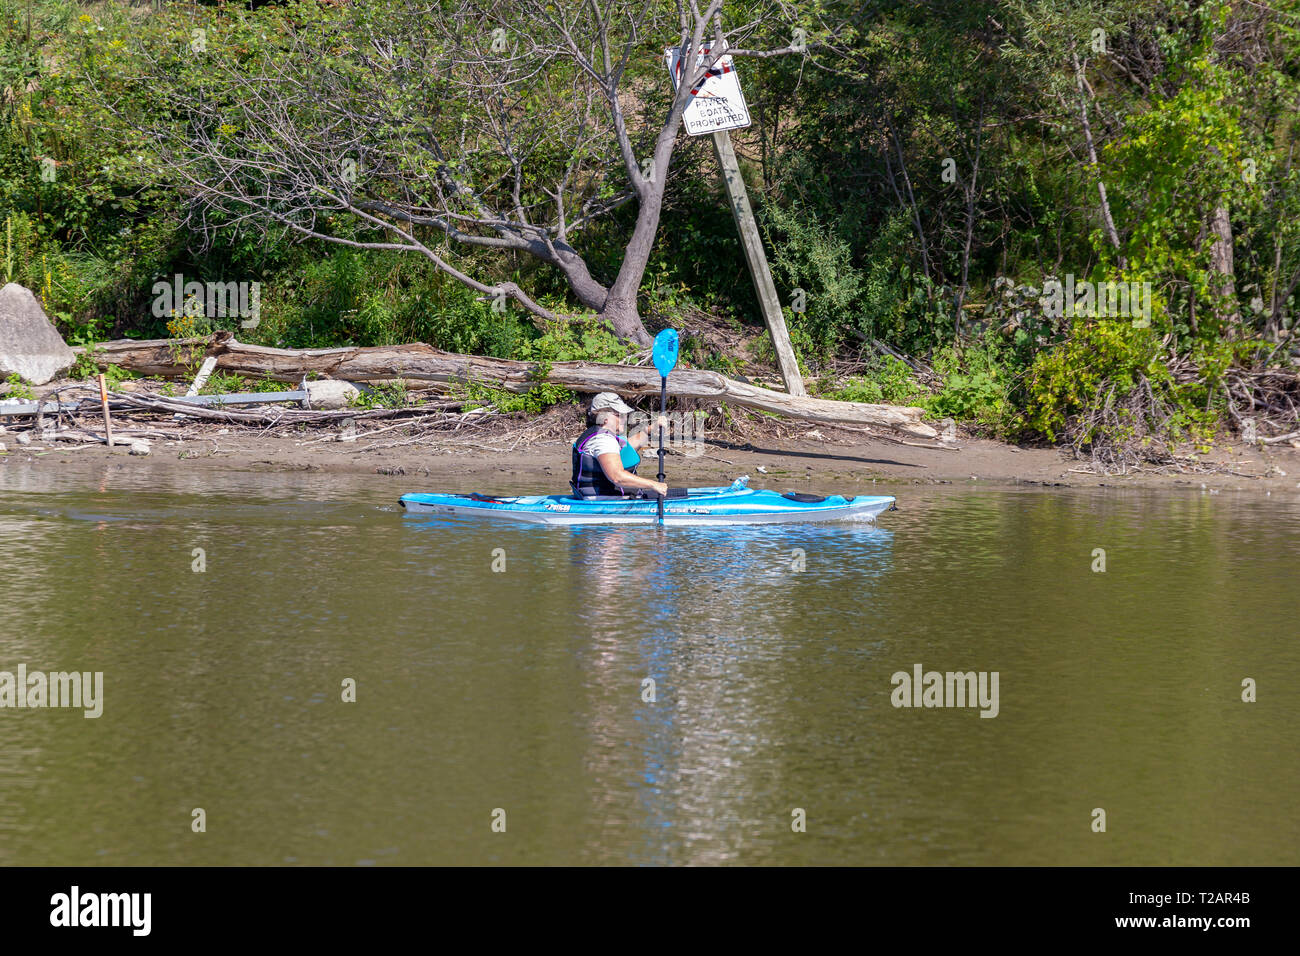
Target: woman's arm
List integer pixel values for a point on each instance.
(642, 436)
(615, 472)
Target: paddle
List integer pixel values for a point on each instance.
(665, 359)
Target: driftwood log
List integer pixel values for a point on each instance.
(175, 358)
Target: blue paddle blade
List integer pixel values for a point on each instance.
(665, 351)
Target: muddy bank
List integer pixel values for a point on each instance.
(518, 459)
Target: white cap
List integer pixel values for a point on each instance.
(610, 400)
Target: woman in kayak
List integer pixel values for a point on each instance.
(604, 462)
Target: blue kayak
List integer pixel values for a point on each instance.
(698, 506)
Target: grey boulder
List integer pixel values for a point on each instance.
(29, 344)
(331, 393)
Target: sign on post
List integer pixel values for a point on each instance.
(716, 106)
(717, 103)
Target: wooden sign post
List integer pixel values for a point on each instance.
(718, 105)
(752, 243)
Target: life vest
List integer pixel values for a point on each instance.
(589, 479)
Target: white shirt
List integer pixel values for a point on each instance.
(602, 443)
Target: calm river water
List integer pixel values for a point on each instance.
(519, 696)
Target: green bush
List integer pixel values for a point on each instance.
(888, 382)
(898, 305)
(815, 265)
(382, 395)
(1110, 386)
(567, 341)
(115, 375)
(563, 341)
(977, 384)
(15, 387)
(532, 402)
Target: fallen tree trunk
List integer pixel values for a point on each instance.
(423, 363)
(284, 416)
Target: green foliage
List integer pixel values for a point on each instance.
(1111, 384)
(697, 264)
(695, 353)
(898, 305)
(808, 351)
(888, 381)
(223, 383)
(1176, 162)
(1067, 382)
(90, 333)
(532, 402)
(85, 366)
(86, 336)
(382, 395)
(567, 341)
(844, 302)
(816, 266)
(266, 384)
(977, 384)
(563, 341)
(73, 188)
(15, 387)
(226, 383)
(365, 298)
(115, 375)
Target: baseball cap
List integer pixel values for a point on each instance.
(610, 400)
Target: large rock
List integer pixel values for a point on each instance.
(331, 393)
(29, 343)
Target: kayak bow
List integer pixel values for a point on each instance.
(700, 506)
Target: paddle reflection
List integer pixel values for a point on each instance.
(710, 616)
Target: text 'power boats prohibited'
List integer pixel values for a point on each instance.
(717, 103)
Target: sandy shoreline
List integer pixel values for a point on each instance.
(505, 465)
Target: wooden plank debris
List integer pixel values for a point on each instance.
(244, 398)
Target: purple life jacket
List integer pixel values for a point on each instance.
(589, 479)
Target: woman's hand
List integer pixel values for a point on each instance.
(642, 437)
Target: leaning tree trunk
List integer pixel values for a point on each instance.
(626, 320)
(620, 306)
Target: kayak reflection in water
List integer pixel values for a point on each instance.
(604, 462)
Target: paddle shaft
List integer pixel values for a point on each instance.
(663, 410)
(665, 359)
